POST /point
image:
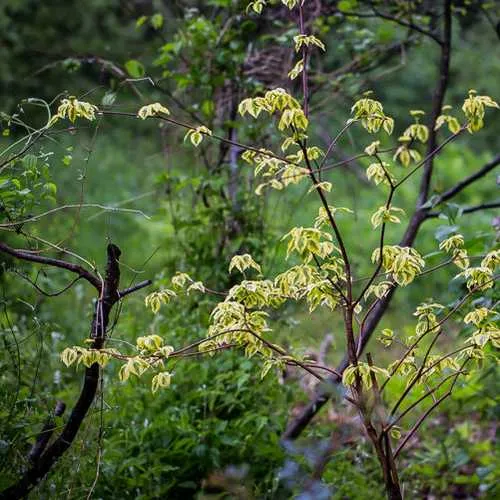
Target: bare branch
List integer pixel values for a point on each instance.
(134, 288)
(470, 210)
(41, 290)
(78, 206)
(48, 429)
(468, 180)
(191, 127)
(49, 261)
(406, 24)
(387, 17)
(437, 102)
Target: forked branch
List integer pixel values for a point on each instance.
(44, 455)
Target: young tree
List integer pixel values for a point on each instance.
(324, 271)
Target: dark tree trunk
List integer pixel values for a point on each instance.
(42, 464)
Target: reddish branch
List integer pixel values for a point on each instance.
(429, 410)
(377, 312)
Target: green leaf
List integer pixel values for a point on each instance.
(346, 5)
(50, 188)
(30, 161)
(134, 68)
(208, 107)
(109, 99)
(141, 21)
(157, 21)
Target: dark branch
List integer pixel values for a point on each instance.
(484, 206)
(134, 288)
(423, 417)
(62, 264)
(42, 465)
(406, 24)
(42, 291)
(387, 17)
(468, 181)
(437, 104)
(470, 210)
(46, 433)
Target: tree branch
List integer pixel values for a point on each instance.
(371, 321)
(424, 416)
(49, 261)
(108, 296)
(46, 433)
(410, 25)
(134, 288)
(387, 17)
(467, 181)
(470, 210)
(437, 102)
